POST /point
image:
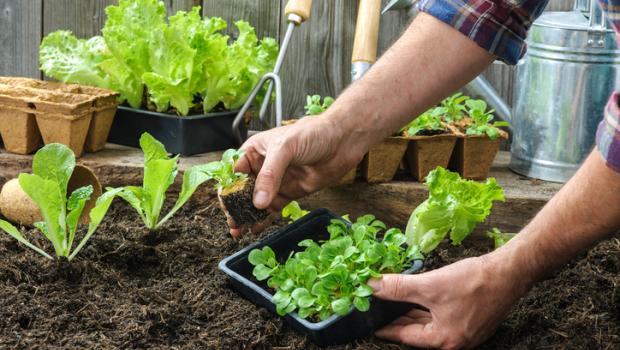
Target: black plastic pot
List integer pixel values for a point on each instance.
(334, 330)
(181, 135)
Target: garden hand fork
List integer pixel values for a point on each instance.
(297, 12)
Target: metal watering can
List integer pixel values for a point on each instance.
(562, 85)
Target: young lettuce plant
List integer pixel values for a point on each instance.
(52, 167)
(314, 106)
(500, 238)
(293, 212)
(235, 190)
(331, 277)
(454, 107)
(429, 122)
(482, 118)
(454, 206)
(159, 173)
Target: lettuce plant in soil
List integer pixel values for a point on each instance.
(329, 277)
(235, 190)
(181, 64)
(482, 120)
(160, 171)
(52, 167)
(499, 238)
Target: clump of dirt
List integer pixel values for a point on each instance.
(132, 289)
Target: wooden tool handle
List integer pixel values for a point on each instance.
(367, 31)
(300, 8)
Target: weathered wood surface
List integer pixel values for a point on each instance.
(391, 202)
(20, 36)
(318, 60)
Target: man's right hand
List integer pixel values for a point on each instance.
(295, 160)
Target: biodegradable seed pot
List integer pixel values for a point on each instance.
(474, 155)
(19, 131)
(383, 160)
(425, 153)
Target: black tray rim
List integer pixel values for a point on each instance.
(416, 266)
(178, 117)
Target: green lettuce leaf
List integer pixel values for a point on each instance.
(454, 206)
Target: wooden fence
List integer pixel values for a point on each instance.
(318, 60)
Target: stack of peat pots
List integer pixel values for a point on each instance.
(430, 149)
(34, 111)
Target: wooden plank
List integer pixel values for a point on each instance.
(84, 18)
(20, 36)
(264, 15)
(319, 58)
(172, 6)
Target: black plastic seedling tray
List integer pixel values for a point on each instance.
(334, 330)
(181, 135)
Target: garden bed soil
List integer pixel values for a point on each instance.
(128, 290)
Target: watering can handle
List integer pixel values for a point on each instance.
(300, 8)
(367, 31)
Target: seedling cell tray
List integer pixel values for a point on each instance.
(181, 135)
(334, 330)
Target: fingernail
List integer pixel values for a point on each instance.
(261, 198)
(375, 284)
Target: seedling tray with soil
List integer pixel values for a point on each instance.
(186, 136)
(126, 292)
(333, 330)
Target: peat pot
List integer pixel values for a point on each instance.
(334, 330)
(425, 153)
(473, 155)
(186, 136)
(383, 160)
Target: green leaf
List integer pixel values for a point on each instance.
(192, 179)
(159, 174)
(293, 211)
(361, 303)
(262, 272)
(75, 206)
(152, 148)
(341, 306)
(363, 290)
(48, 196)
(500, 238)
(54, 162)
(14, 232)
(96, 216)
(135, 197)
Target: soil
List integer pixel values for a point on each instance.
(238, 203)
(132, 290)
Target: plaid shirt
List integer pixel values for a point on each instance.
(500, 27)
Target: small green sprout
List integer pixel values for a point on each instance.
(293, 212)
(314, 106)
(223, 171)
(454, 107)
(500, 238)
(428, 121)
(482, 118)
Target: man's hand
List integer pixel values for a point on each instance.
(467, 301)
(295, 160)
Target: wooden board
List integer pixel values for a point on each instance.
(20, 36)
(84, 18)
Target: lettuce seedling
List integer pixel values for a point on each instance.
(429, 121)
(454, 206)
(454, 107)
(160, 172)
(331, 277)
(314, 106)
(235, 190)
(52, 167)
(482, 118)
(500, 238)
(293, 212)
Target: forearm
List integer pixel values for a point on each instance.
(429, 62)
(584, 211)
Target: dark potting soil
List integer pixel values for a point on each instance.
(127, 291)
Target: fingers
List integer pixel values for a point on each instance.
(270, 176)
(396, 287)
(417, 334)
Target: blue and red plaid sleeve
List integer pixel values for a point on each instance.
(500, 27)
